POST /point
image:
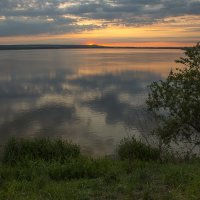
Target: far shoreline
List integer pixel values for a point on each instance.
(46, 46)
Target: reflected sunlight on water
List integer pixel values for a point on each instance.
(87, 96)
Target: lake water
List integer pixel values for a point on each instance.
(94, 97)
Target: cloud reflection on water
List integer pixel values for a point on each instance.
(50, 97)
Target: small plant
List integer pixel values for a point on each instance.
(131, 149)
(20, 150)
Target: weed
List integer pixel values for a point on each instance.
(132, 149)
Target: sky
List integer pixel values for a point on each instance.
(102, 22)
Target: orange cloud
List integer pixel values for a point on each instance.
(176, 31)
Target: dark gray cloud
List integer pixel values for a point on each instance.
(30, 17)
(130, 82)
(57, 115)
(117, 111)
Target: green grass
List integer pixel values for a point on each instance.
(78, 177)
(130, 149)
(20, 150)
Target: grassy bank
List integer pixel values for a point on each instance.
(45, 169)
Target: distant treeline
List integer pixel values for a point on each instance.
(46, 46)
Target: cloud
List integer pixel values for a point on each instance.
(131, 82)
(30, 17)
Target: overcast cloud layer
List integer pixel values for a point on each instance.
(32, 17)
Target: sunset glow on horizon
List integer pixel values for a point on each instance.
(108, 22)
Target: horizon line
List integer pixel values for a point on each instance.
(65, 46)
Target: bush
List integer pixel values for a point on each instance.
(175, 101)
(20, 150)
(131, 149)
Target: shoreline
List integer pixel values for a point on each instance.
(44, 46)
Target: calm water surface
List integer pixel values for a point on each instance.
(92, 97)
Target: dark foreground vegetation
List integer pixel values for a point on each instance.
(175, 102)
(55, 169)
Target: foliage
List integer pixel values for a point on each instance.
(131, 149)
(176, 100)
(55, 180)
(20, 150)
(82, 177)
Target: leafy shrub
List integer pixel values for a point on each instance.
(175, 101)
(20, 150)
(131, 149)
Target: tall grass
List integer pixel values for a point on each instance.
(130, 148)
(54, 169)
(19, 150)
